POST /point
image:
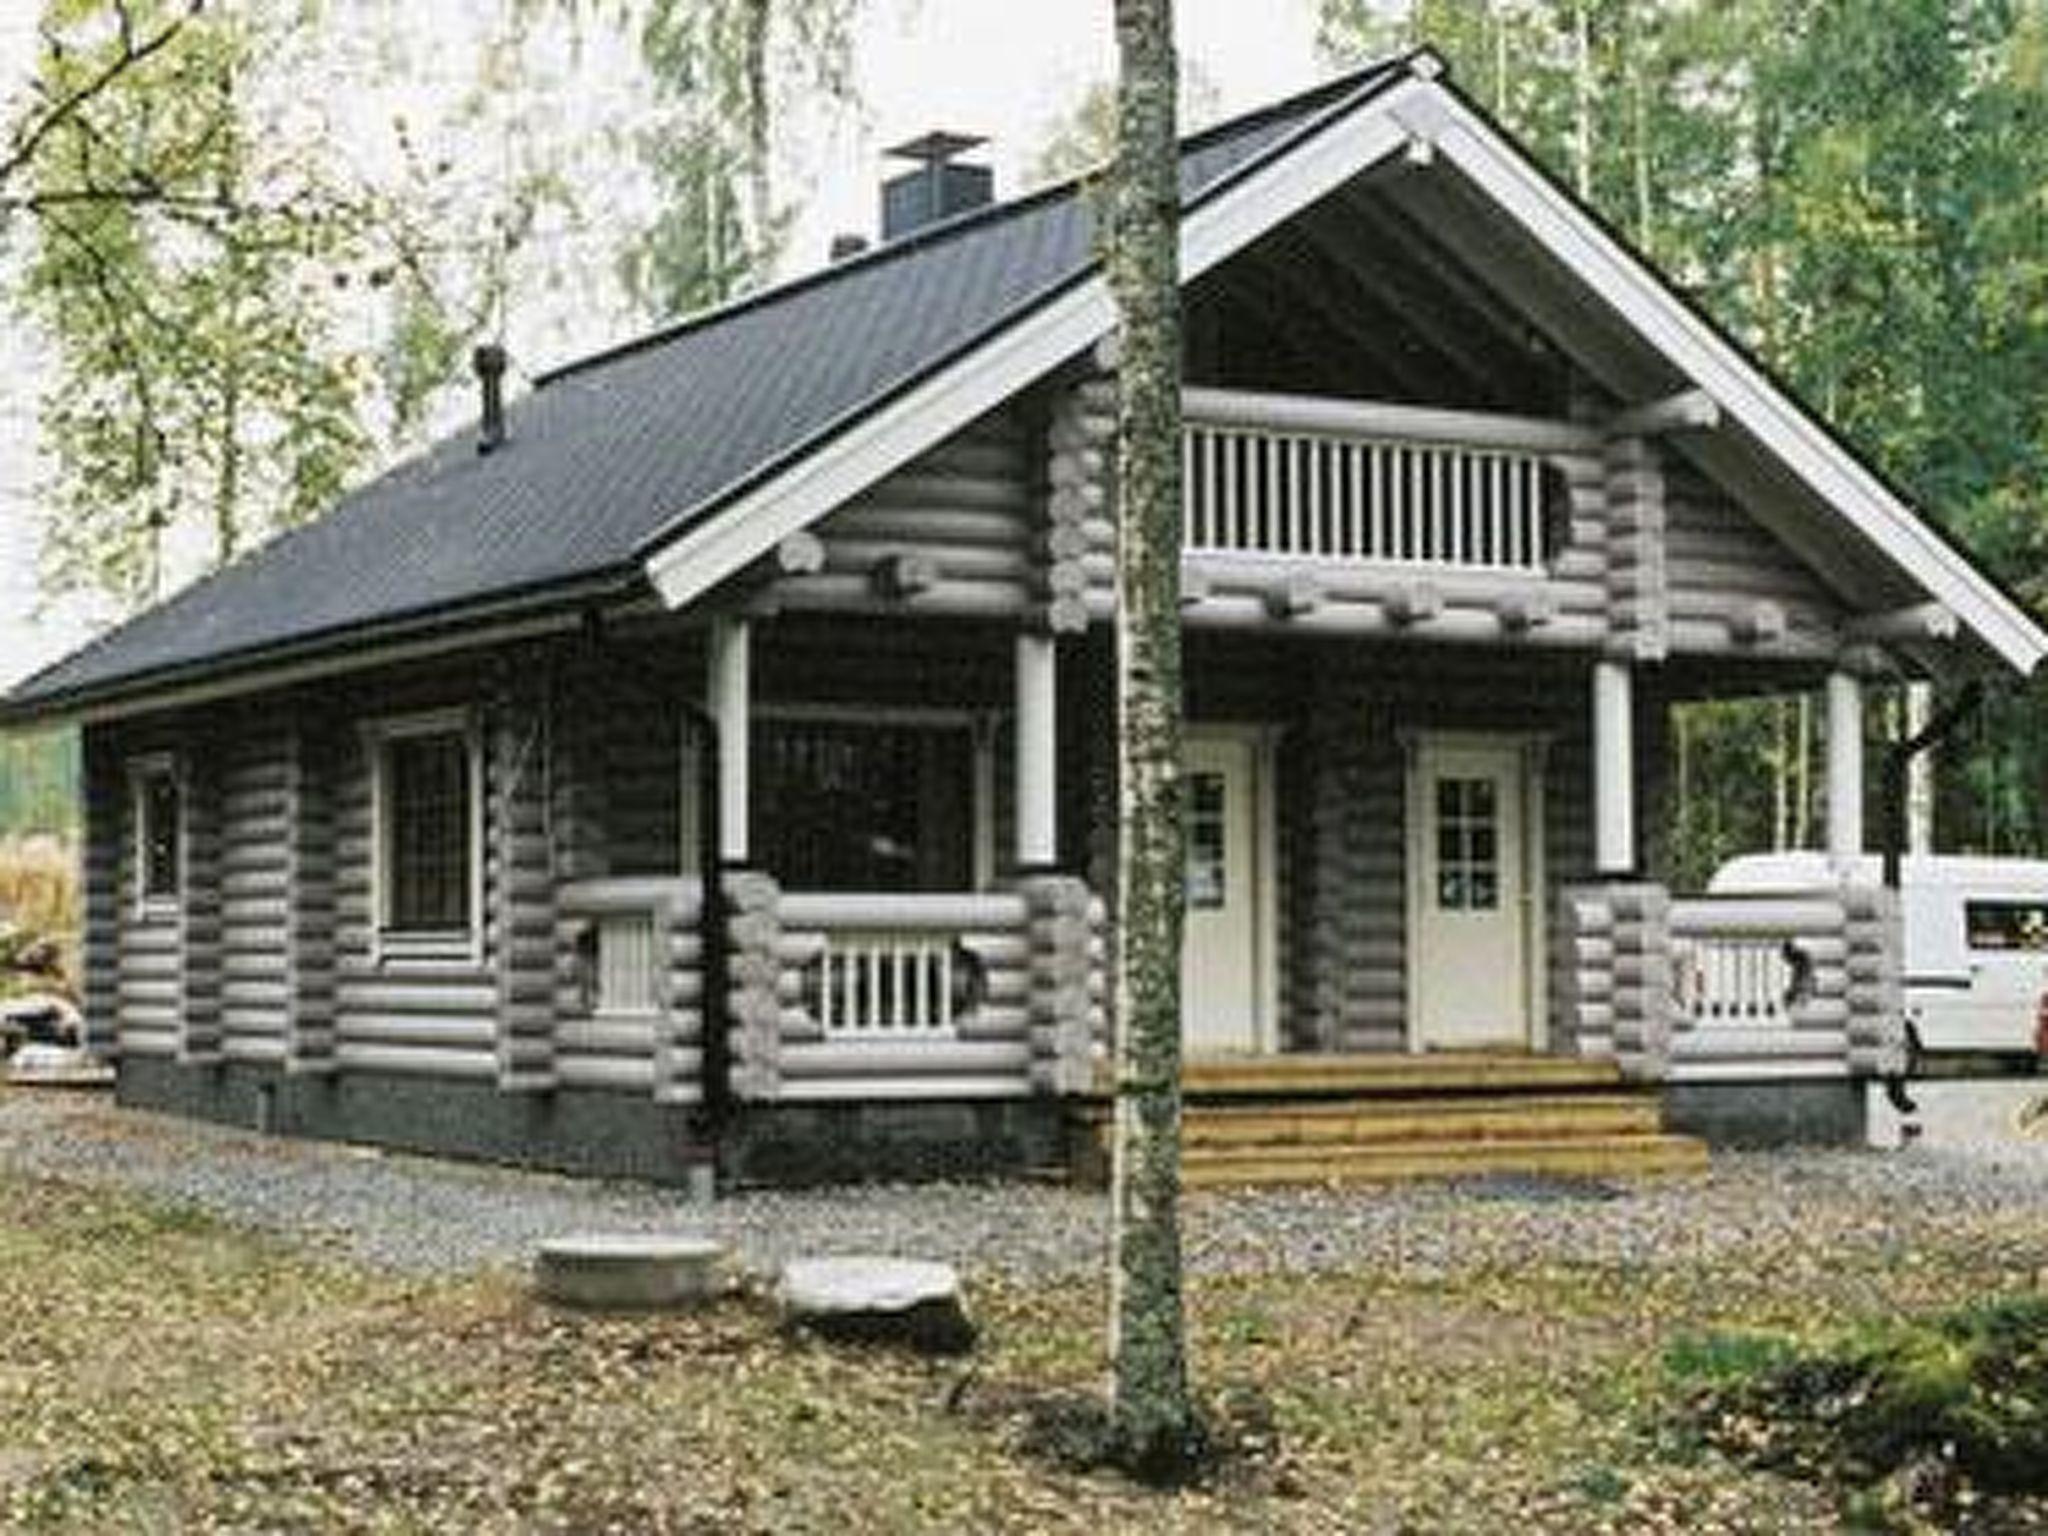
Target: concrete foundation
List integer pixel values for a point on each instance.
(612, 1135)
(1824, 1113)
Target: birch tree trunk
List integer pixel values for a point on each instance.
(1582, 102)
(1151, 1419)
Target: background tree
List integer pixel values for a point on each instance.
(1083, 140)
(53, 104)
(195, 378)
(1152, 1421)
(255, 291)
(725, 72)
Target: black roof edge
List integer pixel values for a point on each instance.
(1765, 370)
(423, 625)
(1357, 87)
(1333, 91)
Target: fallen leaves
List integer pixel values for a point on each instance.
(164, 1369)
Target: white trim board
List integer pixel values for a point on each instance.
(1416, 110)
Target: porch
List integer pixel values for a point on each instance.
(1427, 689)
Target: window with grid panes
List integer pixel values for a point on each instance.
(427, 827)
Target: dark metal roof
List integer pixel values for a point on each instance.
(630, 446)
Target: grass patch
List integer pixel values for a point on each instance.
(1904, 1418)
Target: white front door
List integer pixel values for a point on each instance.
(1219, 973)
(1468, 937)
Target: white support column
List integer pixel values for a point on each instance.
(1919, 772)
(1614, 769)
(1037, 781)
(1845, 766)
(728, 690)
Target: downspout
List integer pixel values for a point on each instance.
(1898, 759)
(1899, 756)
(714, 1109)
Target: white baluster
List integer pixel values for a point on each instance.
(1354, 505)
(1380, 454)
(1460, 548)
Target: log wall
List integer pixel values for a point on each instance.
(954, 532)
(258, 833)
(105, 818)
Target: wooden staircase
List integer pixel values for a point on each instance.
(1376, 1119)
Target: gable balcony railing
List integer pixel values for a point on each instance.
(1331, 480)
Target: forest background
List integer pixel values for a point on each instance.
(242, 324)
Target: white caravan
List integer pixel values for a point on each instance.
(1976, 937)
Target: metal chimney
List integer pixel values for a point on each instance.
(489, 361)
(938, 189)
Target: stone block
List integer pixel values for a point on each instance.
(869, 1299)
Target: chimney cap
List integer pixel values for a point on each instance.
(935, 147)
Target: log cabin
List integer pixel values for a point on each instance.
(712, 764)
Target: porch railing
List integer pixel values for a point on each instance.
(830, 995)
(907, 967)
(629, 986)
(1358, 481)
(884, 982)
(626, 976)
(1765, 963)
(1732, 987)
(1256, 491)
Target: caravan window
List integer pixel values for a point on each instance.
(2007, 925)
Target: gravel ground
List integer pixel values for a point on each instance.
(427, 1215)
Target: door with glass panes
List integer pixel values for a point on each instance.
(1220, 979)
(1469, 915)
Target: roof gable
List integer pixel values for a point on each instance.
(1769, 439)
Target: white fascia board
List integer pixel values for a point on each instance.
(1642, 299)
(983, 378)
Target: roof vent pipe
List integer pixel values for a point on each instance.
(489, 362)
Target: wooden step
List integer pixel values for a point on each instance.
(1531, 1117)
(1437, 1073)
(1625, 1156)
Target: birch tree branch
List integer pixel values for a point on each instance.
(134, 52)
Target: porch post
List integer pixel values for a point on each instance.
(1037, 787)
(1845, 766)
(1614, 777)
(728, 694)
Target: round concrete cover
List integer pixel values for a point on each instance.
(630, 1269)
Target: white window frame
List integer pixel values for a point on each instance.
(459, 944)
(141, 770)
